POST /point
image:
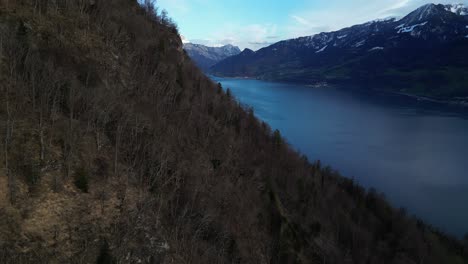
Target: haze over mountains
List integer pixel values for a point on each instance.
(423, 53)
(205, 57)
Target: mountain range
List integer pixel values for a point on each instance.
(423, 53)
(205, 57)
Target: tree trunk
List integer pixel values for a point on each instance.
(33, 97)
(43, 6)
(69, 144)
(117, 143)
(10, 176)
(41, 133)
(35, 6)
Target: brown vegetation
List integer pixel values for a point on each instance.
(116, 148)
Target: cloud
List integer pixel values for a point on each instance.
(212, 42)
(403, 7)
(398, 5)
(184, 39)
(301, 20)
(338, 14)
(263, 43)
(253, 36)
(319, 16)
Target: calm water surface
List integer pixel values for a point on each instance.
(415, 153)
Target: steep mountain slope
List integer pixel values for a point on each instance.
(426, 52)
(205, 57)
(117, 149)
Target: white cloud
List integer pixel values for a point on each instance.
(184, 39)
(398, 5)
(334, 15)
(339, 15)
(253, 36)
(301, 20)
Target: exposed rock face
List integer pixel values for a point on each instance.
(205, 57)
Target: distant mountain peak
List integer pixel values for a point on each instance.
(228, 46)
(430, 12)
(425, 12)
(418, 39)
(205, 56)
(231, 49)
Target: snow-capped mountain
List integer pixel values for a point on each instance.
(459, 9)
(205, 57)
(432, 37)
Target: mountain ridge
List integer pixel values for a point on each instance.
(350, 55)
(205, 56)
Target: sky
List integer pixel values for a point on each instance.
(258, 23)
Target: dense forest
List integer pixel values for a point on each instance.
(117, 149)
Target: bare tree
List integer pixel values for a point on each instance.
(9, 130)
(43, 5)
(118, 136)
(70, 138)
(10, 176)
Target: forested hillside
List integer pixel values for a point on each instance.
(117, 149)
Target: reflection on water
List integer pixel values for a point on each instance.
(413, 152)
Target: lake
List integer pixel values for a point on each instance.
(416, 153)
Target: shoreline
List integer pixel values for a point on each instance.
(457, 101)
(461, 102)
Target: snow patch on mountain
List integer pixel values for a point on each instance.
(376, 48)
(360, 43)
(459, 9)
(387, 19)
(322, 49)
(410, 28)
(344, 36)
(400, 26)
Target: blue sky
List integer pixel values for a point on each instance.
(257, 23)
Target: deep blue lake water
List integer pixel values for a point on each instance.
(413, 152)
